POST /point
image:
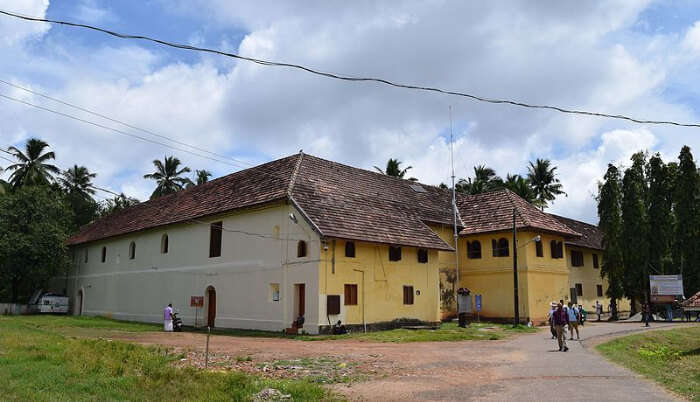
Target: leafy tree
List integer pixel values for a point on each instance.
(167, 176)
(485, 179)
(202, 176)
(32, 168)
(609, 213)
(76, 183)
(520, 186)
(35, 225)
(393, 168)
(4, 186)
(635, 231)
(687, 211)
(544, 181)
(116, 204)
(659, 211)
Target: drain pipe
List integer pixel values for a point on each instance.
(364, 322)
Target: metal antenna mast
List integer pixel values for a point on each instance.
(454, 206)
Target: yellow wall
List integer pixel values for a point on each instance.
(589, 277)
(382, 290)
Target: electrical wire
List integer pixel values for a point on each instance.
(355, 78)
(83, 109)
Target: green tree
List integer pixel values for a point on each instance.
(635, 231)
(520, 186)
(116, 204)
(167, 176)
(393, 169)
(660, 213)
(76, 183)
(202, 176)
(544, 181)
(4, 186)
(610, 223)
(485, 179)
(32, 168)
(35, 225)
(687, 210)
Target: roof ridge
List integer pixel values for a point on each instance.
(516, 207)
(295, 172)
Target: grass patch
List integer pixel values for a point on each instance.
(321, 370)
(60, 322)
(670, 357)
(37, 363)
(447, 332)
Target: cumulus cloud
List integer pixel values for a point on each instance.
(14, 31)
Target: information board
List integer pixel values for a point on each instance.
(666, 285)
(197, 301)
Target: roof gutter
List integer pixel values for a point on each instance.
(305, 215)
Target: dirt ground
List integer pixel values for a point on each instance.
(520, 367)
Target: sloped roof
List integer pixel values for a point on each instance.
(591, 235)
(692, 302)
(339, 200)
(493, 212)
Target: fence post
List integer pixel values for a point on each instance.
(206, 353)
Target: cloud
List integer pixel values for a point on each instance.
(14, 31)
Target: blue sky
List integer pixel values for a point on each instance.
(634, 57)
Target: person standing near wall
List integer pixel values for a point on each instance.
(168, 318)
(560, 319)
(598, 309)
(572, 312)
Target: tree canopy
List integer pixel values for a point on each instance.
(168, 176)
(393, 169)
(32, 167)
(545, 184)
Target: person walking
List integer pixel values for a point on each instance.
(582, 314)
(550, 317)
(572, 312)
(598, 309)
(646, 312)
(168, 318)
(560, 319)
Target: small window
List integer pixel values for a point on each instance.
(538, 248)
(275, 292)
(408, 295)
(132, 250)
(500, 247)
(301, 249)
(599, 290)
(350, 249)
(104, 254)
(86, 256)
(576, 258)
(394, 253)
(474, 249)
(422, 256)
(557, 249)
(215, 239)
(595, 261)
(350, 294)
(164, 244)
(579, 289)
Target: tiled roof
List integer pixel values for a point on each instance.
(692, 302)
(351, 203)
(493, 212)
(341, 201)
(591, 236)
(258, 185)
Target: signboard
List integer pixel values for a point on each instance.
(197, 301)
(478, 303)
(666, 285)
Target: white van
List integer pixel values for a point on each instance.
(48, 303)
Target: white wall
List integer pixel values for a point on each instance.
(139, 289)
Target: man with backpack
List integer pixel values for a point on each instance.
(573, 314)
(560, 318)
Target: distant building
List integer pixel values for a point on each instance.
(306, 236)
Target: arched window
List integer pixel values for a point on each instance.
(164, 244)
(104, 254)
(474, 249)
(500, 247)
(538, 248)
(350, 249)
(301, 249)
(132, 250)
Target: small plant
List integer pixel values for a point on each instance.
(241, 359)
(658, 352)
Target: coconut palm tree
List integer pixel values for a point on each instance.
(116, 204)
(520, 186)
(202, 176)
(77, 182)
(544, 181)
(485, 179)
(168, 177)
(393, 168)
(32, 168)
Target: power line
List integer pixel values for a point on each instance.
(355, 78)
(83, 109)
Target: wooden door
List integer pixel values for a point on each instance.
(302, 299)
(211, 311)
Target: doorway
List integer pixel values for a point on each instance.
(574, 295)
(299, 299)
(79, 303)
(211, 306)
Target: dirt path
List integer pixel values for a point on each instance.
(527, 367)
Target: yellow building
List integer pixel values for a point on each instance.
(306, 238)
